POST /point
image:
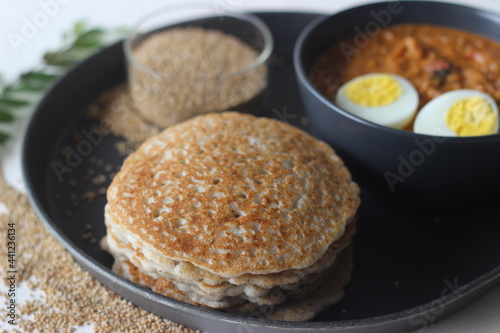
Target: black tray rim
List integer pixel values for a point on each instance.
(394, 321)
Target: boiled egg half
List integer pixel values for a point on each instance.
(385, 99)
(461, 112)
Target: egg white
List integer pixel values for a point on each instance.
(431, 118)
(396, 115)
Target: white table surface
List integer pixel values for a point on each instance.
(481, 316)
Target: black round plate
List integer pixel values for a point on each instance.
(412, 265)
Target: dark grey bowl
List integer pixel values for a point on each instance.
(408, 165)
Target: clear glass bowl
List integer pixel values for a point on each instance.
(194, 58)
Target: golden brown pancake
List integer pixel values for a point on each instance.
(230, 209)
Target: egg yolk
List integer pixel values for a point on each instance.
(374, 91)
(471, 116)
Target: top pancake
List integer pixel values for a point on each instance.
(234, 194)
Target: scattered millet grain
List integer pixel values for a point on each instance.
(70, 296)
(196, 71)
(115, 109)
(88, 197)
(99, 179)
(304, 121)
(88, 175)
(125, 148)
(77, 136)
(87, 236)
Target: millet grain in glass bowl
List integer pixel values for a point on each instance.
(191, 59)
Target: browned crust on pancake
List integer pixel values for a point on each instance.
(234, 194)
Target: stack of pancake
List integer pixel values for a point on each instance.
(233, 212)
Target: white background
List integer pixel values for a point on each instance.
(481, 316)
